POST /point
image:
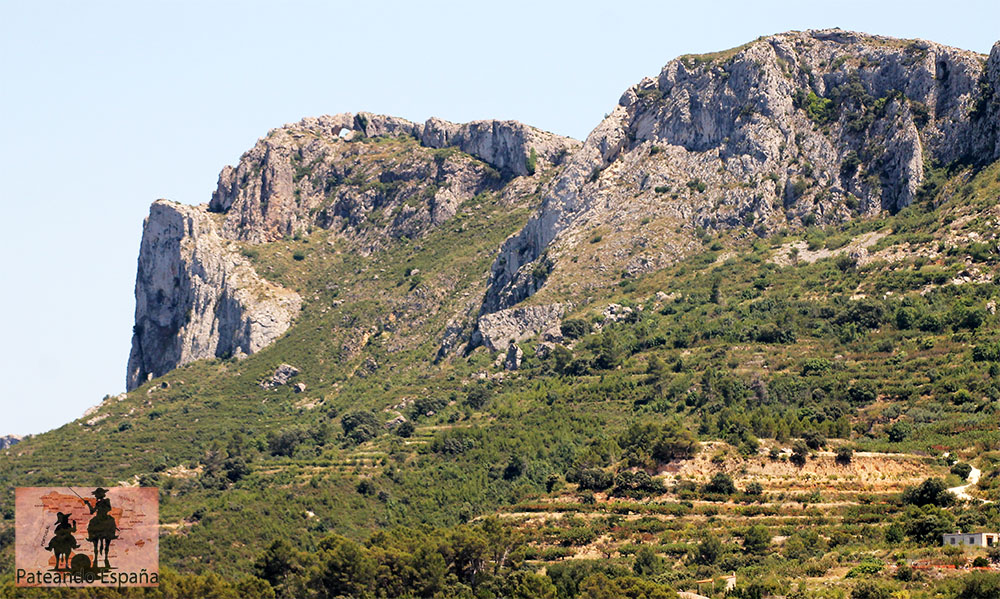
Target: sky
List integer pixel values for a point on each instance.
(107, 106)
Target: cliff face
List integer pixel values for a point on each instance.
(310, 175)
(368, 179)
(196, 297)
(806, 127)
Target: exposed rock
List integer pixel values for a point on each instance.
(96, 419)
(282, 374)
(452, 337)
(498, 330)
(616, 313)
(299, 387)
(735, 139)
(506, 145)
(10, 440)
(513, 359)
(394, 422)
(306, 174)
(196, 298)
(367, 367)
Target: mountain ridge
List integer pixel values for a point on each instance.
(793, 128)
(754, 120)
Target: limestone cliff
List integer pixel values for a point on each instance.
(369, 179)
(788, 130)
(309, 174)
(196, 297)
(801, 127)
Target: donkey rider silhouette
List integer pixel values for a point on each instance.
(102, 528)
(62, 542)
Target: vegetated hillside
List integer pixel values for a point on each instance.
(787, 402)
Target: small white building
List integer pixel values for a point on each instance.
(978, 539)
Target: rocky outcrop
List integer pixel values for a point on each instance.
(506, 145)
(196, 297)
(9, 441)
(282, 375)
(991, 108)
(805, 127)
(497, 331)
(512, 361)
(324, 172)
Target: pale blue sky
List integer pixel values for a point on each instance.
(107, 106)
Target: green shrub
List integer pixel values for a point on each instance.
(933, 491)
(819, 110)
(962, 470)
(574, 328)
(360, 426)
(721, 484)
(531, 162)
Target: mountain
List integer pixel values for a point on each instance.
(803, 127)
(748, 326)
(198, 297)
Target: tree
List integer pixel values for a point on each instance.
(235, 468)
(360, 426)
(477, 397)
(721, 484)
(893, 534)
(979, 585)
(814, 440)
(609, 351)
(574, 328)
(599, 586)
(278, 561)
(647, 562)
(869, 589)
(927, 524)
(933, 491)
(799, 453)
(594, 479)
(756, 539)
(845, 455)
(709, 550)
(660, 441)
(285, 441)
(346, 570)
(961, 469)
(515, 467)
(899, 431)
(405, 429)
(561, 358)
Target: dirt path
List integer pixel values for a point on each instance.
(962, 492)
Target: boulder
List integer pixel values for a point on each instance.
(282, 375)
(498, 330)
